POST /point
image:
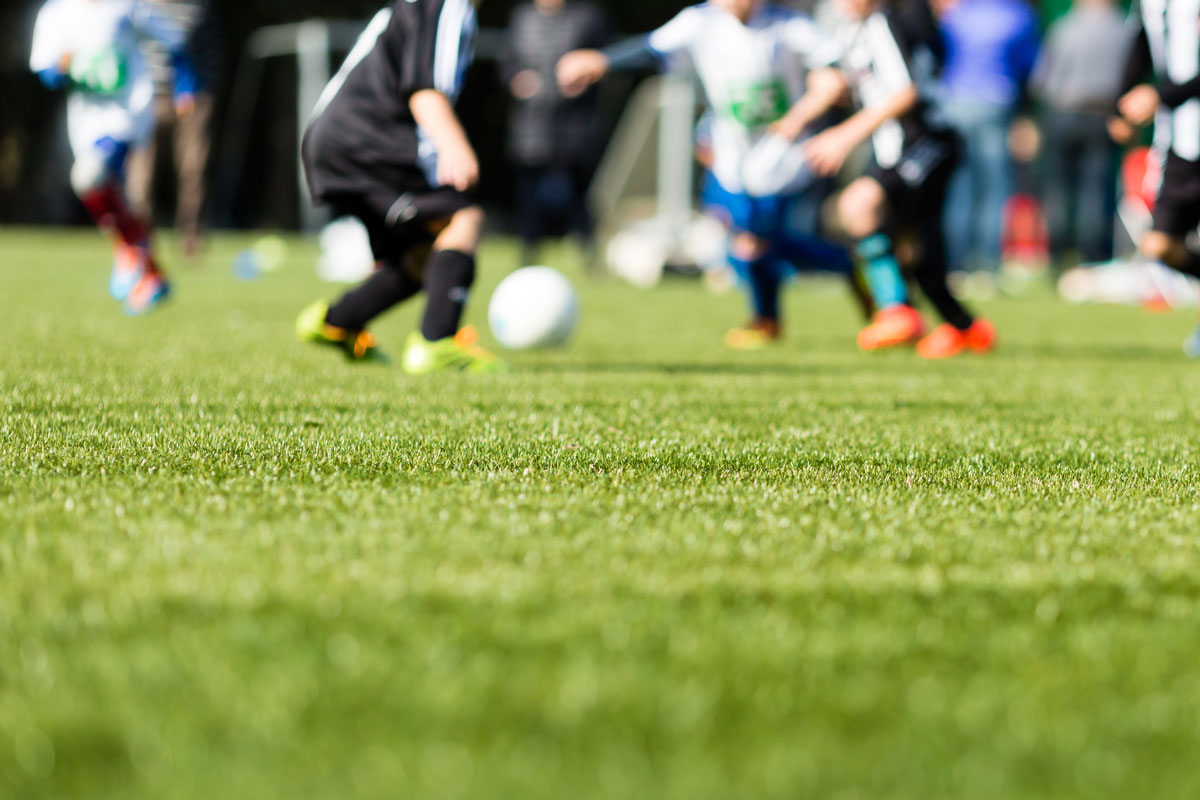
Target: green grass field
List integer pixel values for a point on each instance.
(643, 567)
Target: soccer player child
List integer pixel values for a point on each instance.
(1167, 47)
(92, 48)
(750, 57)
(904, 189)
(385, 145)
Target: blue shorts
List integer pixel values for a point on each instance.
(766, 217)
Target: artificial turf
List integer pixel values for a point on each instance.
(641, 567)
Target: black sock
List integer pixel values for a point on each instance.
(386, 287)
(930, 273)
(448, 280)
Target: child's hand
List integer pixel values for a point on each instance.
(64, 63)
(458, 167)
(828, 151)
(578, 70)
(1120, 130)
(1140, 104)
(526, 84)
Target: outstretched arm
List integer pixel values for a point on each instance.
(579, 70)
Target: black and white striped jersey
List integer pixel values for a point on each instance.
(881, 56)
(1169, 44)
(363, 131)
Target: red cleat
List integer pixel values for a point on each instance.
(947, 341)
(892, 327)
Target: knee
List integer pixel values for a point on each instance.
(464, 231)
(747, 247)
(1158, 246)
(860, 208)
(88, 174)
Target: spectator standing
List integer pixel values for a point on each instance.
(1078, 81)
(553, 137)
(189, 135)
(990, 50)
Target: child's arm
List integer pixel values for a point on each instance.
(828, 150)
(826, 88)
(579, 70)
(457, 163)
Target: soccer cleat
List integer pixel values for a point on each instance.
(755, 335)
(355, 345)
(460, 353)
(981, 337)
(892, 327)
(128, 268)
(147, 294)
(947, 341)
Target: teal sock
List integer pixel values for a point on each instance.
(883, 271)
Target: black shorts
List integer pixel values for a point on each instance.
(398, 218)
(396, 203)
(1177, 209)
(916, 186)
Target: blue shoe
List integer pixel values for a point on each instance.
(1191, 345)
(128, 268)
(146, 295)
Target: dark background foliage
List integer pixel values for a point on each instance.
(33, 158)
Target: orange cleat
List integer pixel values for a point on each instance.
(947, 341)
(892, 327)
(981, 337)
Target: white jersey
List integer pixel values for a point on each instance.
(880, 58)
(112, 90)
(1172, 30)
(752, 73)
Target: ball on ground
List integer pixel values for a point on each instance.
(534, 307)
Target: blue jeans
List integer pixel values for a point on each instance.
(981, 188)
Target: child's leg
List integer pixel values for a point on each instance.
(862, 208)
(1172, 251)
(752, 258)
(451, 273)
(387, 287)
(812, 252)
(97, 177)
(930, 272)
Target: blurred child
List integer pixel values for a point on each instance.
(750, 56)
(92, 49)
(385, 146)
(904, 189)
(1166, 48)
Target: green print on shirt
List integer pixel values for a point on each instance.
(758, 104)
(104, 72)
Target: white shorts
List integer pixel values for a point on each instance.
(128, 119)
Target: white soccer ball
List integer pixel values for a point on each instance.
(533, 307)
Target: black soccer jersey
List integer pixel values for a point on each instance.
(363, 133)
(881, 56)
(1169, 44)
